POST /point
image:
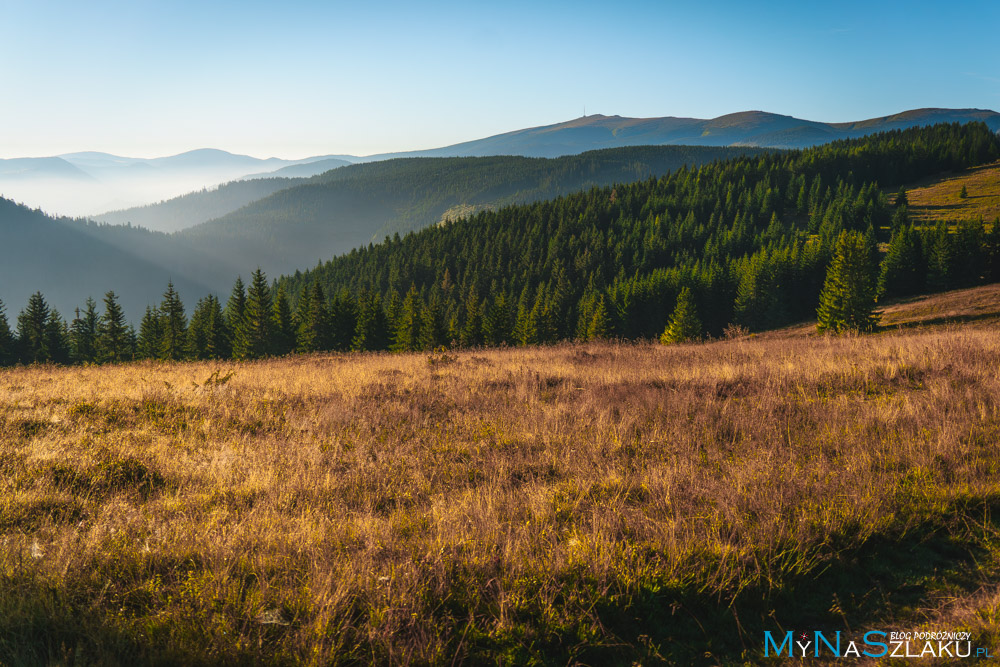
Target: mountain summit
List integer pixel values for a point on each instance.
(745, 128)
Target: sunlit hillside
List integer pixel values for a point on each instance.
(941, 199)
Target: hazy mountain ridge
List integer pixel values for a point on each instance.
(352, 206)
(292, 228)
(91, 183)
(68, 261)
(196, 207)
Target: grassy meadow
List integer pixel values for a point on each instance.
(578, 504)
(940, 199)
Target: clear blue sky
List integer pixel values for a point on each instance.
(296, 78)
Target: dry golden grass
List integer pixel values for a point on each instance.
(939, 200)
(594, 504)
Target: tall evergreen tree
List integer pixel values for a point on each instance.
(847, 302)
(684, 324)
(407, 334)
(496, 322)
(235, 309)
(83, 333)
(150, 342)
(313, 332)
(472, 330)
(208, 334)
(8, 345)
(939, 258)
(343, 320)
(901, 273)
(901, 198)
(115, 338)
(57, 342)
(173, 337)
(373, 326)
(284, 325)
(256, 337)
(993, 252)
(599, 326)
(432, 329)
(32, 323)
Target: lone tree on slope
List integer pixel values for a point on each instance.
(847, 302)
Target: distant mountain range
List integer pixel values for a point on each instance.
(747, 128)
(93, 183)
(84, 184)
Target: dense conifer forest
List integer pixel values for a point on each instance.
(755, 241)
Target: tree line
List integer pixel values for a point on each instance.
(757, 241)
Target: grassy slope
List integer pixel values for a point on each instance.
(939, 199)
(600, 503)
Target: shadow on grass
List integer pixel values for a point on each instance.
(886, 580)
(943, 319)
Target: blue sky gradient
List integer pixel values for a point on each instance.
(296, 78)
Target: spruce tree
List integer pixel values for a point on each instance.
(208, 335)
(32, 323)
(939, 258)
(432, 331)
(115, 338)
(472, 330)
(8, 351)
(407, 335)
(372, 332)
(150, 341)
(284, 325)
(343, 320)
(57, 342)
(993, 252)
(235, 308)
(684, 324)
(83, 333)
(901, 198)
(525, 326)
(256, 337)
(964, 193)
(313, 332)
(599, 326)
(496, 323)
(847, 302)
(173, 336)
(901, 273)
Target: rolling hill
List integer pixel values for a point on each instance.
(196, 207)
(352, 206)
(68, 261)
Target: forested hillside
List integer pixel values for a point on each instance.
(752, 242)
(750, 237)
(351, 206)
(69, 260)
(295, 228)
